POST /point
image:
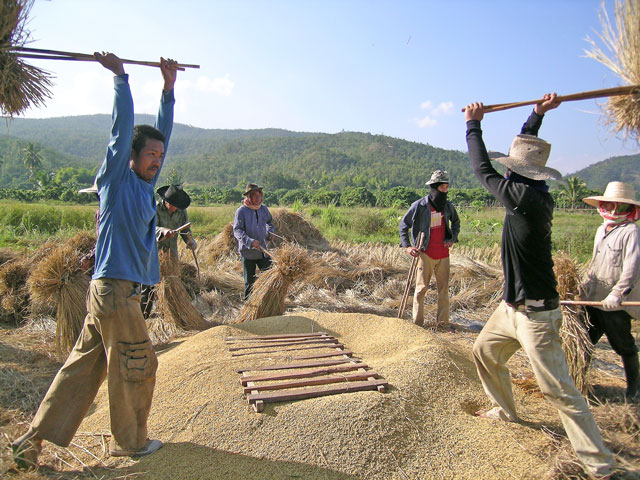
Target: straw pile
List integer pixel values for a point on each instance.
(621, 38)
(14, 295)
(574, 332)
(57, 279)
(422, 427)
(293, 227)
(222, 245)
(270, 290)
(21, 85)
(174, 302)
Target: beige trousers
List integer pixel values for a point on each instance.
(537, 333)
(427, 267)
(114, 342)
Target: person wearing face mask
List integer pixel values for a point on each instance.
(613, 274)
(252, 226)
(436, 217)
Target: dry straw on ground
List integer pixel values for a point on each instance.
(621, 54)
(290, 262)
(14, 295)
(21, 85)
(574, 332)
(173, 301)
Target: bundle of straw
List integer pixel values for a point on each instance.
(174, 302)
(14, 296)
(21, 85)
(621, 38)
(293, 227)
(222, 245)
(270, 290)
(58, 279)
(574, 332)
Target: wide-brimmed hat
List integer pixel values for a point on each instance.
(250, 188)
(528, 157)
(615, 192)
(92, 189)
(174, 195)
(439, 176)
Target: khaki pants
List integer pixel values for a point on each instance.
(537, 333)
(114, 339)
(427, 267)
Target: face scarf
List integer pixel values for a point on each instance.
(539, 185)
(620, 214)
(247, 203)
(437, 198)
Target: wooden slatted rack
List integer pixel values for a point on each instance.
(303, 376)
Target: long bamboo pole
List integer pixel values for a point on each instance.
(605, 92)
(412, 271)
(45, 54)
(587, 303)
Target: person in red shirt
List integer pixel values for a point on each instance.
(436, 217)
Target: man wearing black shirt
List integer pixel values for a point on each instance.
(529, 316)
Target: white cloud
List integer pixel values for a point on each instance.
(443, 108)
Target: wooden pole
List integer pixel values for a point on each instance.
(605, 92)
(412, 271)
(587, 303)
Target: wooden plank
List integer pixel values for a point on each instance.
(311, 381)
(337, 353)
(304, 342)
(288, 335)
(308, 373)
(331, 345)
(280, 340)
(258, 405)
(288, 366)
(315, 391)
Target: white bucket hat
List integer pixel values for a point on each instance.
(528, 157)
(615, 192)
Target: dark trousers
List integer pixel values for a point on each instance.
(616, 324)
(249, 271)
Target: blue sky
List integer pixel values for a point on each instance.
(399, 68)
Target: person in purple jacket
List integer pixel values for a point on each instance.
(529, 317)
(114, 342)
(252, 226)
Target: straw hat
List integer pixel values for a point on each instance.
(615, 192)
(250, 188)
(528, 157)
(92, 189)
(439, 176)
(175, 196)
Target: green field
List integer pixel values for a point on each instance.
(28, 225)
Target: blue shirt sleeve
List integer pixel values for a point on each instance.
(164, 123)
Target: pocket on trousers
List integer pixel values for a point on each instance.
(138, 361)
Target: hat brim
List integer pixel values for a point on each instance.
(530, 171)
(259, 189)
(595, 200)
(180, 198)
(92, 189)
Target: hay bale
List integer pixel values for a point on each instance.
(574, 332)
(58, 280)
(14, 295)
(174, 302)
(293, 227)
(21, 85)
(270, 290)
(222, 245)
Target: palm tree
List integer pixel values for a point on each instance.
(573, 190)
(32, 159)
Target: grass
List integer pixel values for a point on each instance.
(28, 225)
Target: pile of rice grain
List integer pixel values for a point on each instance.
(421, 428)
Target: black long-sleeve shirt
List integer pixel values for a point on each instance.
(526, 235)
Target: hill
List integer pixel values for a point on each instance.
(625, 168)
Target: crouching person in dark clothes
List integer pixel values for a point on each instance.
(114, 342)
(613, 277)
(252, 226)
(529, 316)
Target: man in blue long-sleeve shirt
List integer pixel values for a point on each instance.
(114, 342)
(251, 226)
(529, 317)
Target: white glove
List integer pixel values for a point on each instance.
(611, 302)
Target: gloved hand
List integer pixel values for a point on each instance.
(192, 244)
(611, 302)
